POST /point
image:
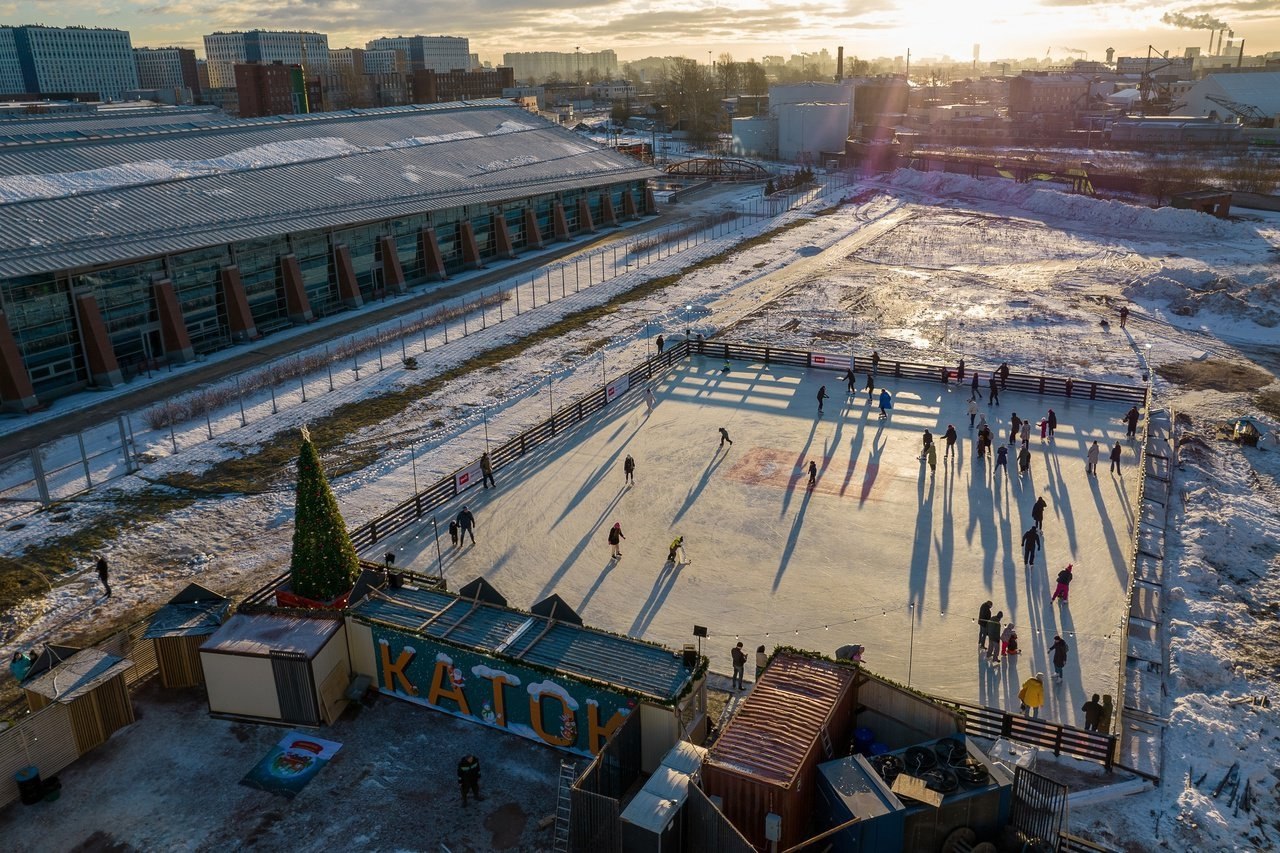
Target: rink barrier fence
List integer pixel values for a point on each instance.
(411, 511)
(992, 723)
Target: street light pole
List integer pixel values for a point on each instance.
(439, 557)
(911, 647)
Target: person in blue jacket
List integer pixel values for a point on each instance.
(886, 403)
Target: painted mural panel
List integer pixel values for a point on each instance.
(553, 709)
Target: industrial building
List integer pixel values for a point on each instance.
(428, 53)
(267, 223)
(168, 69)
(1254, 98)
(43, 60)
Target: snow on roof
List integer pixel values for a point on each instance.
(259, 634)
(77, 675)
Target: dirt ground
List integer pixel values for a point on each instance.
(392, 786)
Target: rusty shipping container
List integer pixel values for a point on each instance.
(765, 761)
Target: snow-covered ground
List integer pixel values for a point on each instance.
(930, 267)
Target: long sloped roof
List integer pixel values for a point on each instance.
(110, 200)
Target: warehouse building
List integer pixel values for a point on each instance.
(156, 244)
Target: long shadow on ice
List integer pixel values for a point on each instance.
(792, 538)
(661, 589)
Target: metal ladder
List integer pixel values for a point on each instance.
(568, 772)
(826, 743)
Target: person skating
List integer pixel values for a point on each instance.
(1037, 512)
(871, 386)
(677, 550)
(950, 436)
(1024, 460)
(960, 372)
(1052, 421)
(102, 574)
(1124, 315)
(762, 660)
(453, 532)
(1011, 647)
(1026, 433)
(822, 395)
(1002, 458)
(1044, 428)
(1015, 424)
(1030, 544)
(851, 381)
(629, 471)
(984, 616)
(466, 525)
(886, 403)
(813, 473)
(973, 412)
(1092, 713)
(649, 400)
(486, 470)
(993, 637)
(875, 362)
(932, 456)
(1006, 636)
(974, 393)
(1131, 420)
(926, 441)
(1091, 467)
(724, 436)
(1064, 585)
(739, 665)
(1003, 370)
(1059, 651)
(1116, 453)
(993, 392)
(1071, 384)
(615, 539)
(469, 778)
(1032, 695)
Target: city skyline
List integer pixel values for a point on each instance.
(1009, 29)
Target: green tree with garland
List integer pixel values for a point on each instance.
(324, 563)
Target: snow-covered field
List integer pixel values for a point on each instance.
(926, 267)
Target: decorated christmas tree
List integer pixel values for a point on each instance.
(324, 563)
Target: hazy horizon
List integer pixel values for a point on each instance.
(1009, 29)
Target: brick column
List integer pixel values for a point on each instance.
(606, 209)
(392, 272)
(296, 301)
(16, 393)
(502, 237)
(173, 329)
(348, 287)
(532, 235)
(650, 203)
(470, 251)
(432, 260)
(561, 223)
(239, 318)
(585, 225)
(101, 359)
(629, 205)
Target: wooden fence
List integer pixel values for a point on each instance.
(992, 723)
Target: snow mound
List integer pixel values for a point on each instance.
(1099, 213)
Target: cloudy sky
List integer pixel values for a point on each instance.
(745, 28)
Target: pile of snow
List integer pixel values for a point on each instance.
(1195, 289)
(1099, 213)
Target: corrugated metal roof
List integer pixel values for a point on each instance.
(777, 724)
(492, 165)
(586, 653)
(77, 675)
(259, 634)
(16, 130)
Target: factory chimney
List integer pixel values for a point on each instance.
(839, 63)
(1240, 55)
(1111, 55)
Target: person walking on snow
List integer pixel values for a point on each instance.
(629, 470)
(822, 395)
(973, 411)
(1091, 467)
(1116, 453)
(724, 436)
(974, 393)
(932, 455)
(1131, 419)
(486, 470)
(950, 436)
(466, 525)
(1015, 424)
(102, 574)
(1064, 584)
(886, 403)
(739, 665)
(1124, 315)
(984, 616)
(1024, 460)
(615, 539)
(993, 637)
(813, 473)
(993, 393)
(1002, 458)
(1037, 512)
(1030, 544)
(1032, 695)
(1059, 651)
(661, 343)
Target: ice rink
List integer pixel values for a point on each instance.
(880, 551)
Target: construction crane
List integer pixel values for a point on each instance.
(1248, 113)
(1148, 84)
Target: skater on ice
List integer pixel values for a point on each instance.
(932, 456)
(629, 470)
(1052, 421)
(649, 400)
(1064, 585)
(486, 470)
(1003, 370)
(1006, 636)
(1026, 433)
(1015, 424)
(813, 473)
(1091, 468)
(875, 362)
(886, 403)
(871, 386)
(1032, 695)
(973, 411)
(1059, 651)
(615, 539)
(677, 550)
(1116, 453)
(984, 616)
(1002, 458)
(993, 637)
(974, 393)
(950, 436)
(466, 525)
(1131, 420)
(453, 532)
(993, 392)
(1037, 512)
(724, 436)
(1030, 544)
(851, 380)
(822, 395)
(926, 442)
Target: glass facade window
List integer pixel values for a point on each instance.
(43, 322)
(362, 243)
(197, 284)
(405, 232)
(315, 260)
(514, 215)
(570, 202)
(259, 263)
(125, 299)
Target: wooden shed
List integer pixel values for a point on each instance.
(91, 685)
(179, 629)
(289, 669)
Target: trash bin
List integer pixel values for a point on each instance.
(30, 788)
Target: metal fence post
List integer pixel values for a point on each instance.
(378, 339)
(302, 382)
(208, 423)
(129, 464)
(404, 352)
(84, 458)
(37, 471)
(328, 366)
(274, 410)
(168, 408)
